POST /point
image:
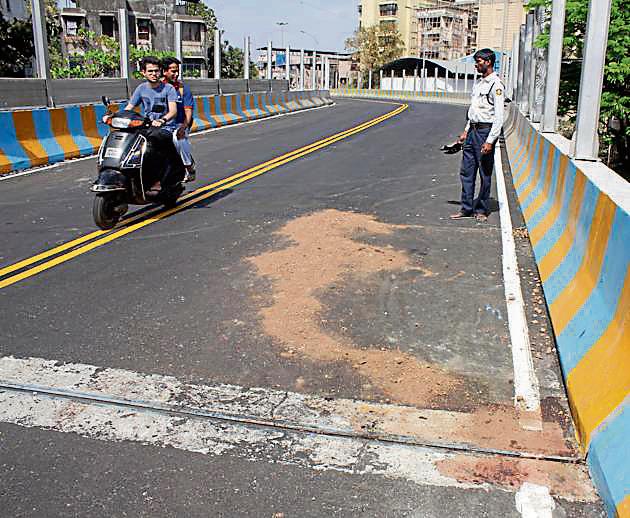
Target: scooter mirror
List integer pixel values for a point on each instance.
(106, 101)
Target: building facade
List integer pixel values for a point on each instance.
(491, 33)
(151, 27)
(14, 9)
(389, 14)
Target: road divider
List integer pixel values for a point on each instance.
(578, 217)
(49, 258)
(35, 137)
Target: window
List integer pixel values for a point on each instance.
(387, 26)
(191, 32)
(107, 26)
(73, 24)
(143, 28)
(388, 9)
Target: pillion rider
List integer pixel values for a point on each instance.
(184, 117)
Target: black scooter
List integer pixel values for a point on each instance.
(128, 165)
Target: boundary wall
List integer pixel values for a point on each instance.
(425, 96)
(578, 217)
(35, 137)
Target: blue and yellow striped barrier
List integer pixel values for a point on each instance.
(579, 227)
(30, 138)
(429, 96)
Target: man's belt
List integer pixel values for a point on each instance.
(480, 125)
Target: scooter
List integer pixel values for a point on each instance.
(128, 165)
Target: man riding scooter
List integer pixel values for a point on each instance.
(184, 117)
(159, 101)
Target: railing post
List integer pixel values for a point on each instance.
(287, 65)
(554, 65)
(539, 71)
(314, 78)
(380, 84)
(246, 58)
(269, 58)
(40, 40)
(370, 79)
(527, 63)
(302, 85)
(178, 43)
(585, 144)
(217, 54)
(514, 66)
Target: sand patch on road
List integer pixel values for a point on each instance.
(324, 247)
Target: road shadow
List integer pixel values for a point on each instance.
(493, 204)
(202, 204)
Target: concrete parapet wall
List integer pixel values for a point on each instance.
(41, 136)
(430, 96)
(578, 217)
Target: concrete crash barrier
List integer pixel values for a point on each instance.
(429, 96)
(578, 217)
(34, 137)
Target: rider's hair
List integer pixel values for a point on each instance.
(168, 61)
(486, 55)
(150, 60)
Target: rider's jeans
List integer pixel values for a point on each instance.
(183, 147)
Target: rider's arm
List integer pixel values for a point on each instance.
(172, 111)
(136, 97)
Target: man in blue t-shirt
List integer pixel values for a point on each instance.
(184, 117)
(159, 103)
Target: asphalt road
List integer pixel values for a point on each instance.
(336, 281)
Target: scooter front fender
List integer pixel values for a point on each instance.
(110, 180)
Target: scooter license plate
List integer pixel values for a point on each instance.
(113, 152)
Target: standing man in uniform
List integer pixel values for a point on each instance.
(485, 119)
(184, 119)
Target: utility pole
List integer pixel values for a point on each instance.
(554, 63)
(269, 58)
(40, 38)
(123, 32)
(217, 54)
(246, 57)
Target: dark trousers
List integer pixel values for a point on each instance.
(165, 164)
(474, 161)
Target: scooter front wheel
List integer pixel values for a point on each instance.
(104, 211)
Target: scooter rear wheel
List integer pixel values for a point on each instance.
(104, 211)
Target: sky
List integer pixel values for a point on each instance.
(326, 23)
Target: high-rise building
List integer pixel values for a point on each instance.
(400, 14)
(495, 30)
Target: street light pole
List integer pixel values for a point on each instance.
(282, 25)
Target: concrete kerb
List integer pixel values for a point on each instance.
(578, 217)
(41, 136)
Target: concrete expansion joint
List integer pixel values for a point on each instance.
(271, 423)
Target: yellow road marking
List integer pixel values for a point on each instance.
(124, 223)
(188, 200)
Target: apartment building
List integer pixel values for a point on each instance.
(14, 9)
(491, 23)
(400, 14)
(448, 30)
(151, 26)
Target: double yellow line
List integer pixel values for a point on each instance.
(84, 244)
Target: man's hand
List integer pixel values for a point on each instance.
(486, 148)
(181, 132)
(462, 137)
(158, 123)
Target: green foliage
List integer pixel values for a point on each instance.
(615, 100)
(373, 47)
(205, 12)
(16, 41)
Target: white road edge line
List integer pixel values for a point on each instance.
(203, 132)
(526, 390)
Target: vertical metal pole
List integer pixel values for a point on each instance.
(456, 79)
(246, 58)
(217, 54)
(302, 86)
(527, 63)
(435, 78)
(380, 84)
(40, 38)
(403, 79)
(314, 78)
(178, 41)
(514, 66)
(538, 75)
(586, 142)
(269, 59)
(391, 86)
(520, 76)
(415, 79)
(370, 79)
(552, 88)
(326, 73)
(123, 34)
(288, 65)
(465, 78)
